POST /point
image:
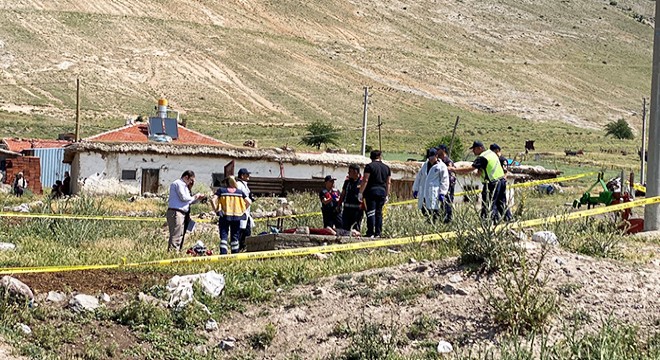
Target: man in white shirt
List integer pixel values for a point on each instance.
(178, 206)
(247, 224)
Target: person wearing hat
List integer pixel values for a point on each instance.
(435, 187)
(443, 155)
(330, 207)
(247, 224)
(493, 195)
(353, 209)
(419, 185)
(505, 166)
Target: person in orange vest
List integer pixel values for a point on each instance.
(230, 204)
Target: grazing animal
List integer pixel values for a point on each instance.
(529, 145)
(250, 143)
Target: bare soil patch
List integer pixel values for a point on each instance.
(91, 282)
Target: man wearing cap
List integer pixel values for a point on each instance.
(247, 224)
(505, 166)
(330, 208)
(435, 185)
(493, 195)
(353, 209)
(375, 190)
(443, 155)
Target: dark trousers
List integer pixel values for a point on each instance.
(352, 217)
(331, 218)
(244, 234)
(375, 200)
(493, 201)
(227, 226)
(430, 214)
(449, 204)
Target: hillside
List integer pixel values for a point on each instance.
(285, 63)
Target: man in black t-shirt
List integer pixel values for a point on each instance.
(375, 189)
(353, 209)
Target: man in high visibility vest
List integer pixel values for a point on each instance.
(493, 195)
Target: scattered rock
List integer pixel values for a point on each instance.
(17, 288)
(227, 344)
(83, 302)
(320, 256)
(105, 298)
(7, 246)
(24, 328)
(56, 297)
(655, 262)
(456, 278)
(211, 325)
(152, 300)
(545, 237)
(559, 261)
(301, 316)
(444, 347)
(318, 291)
(412, 261)
(421, 268)
(201, 350)
(460, 291)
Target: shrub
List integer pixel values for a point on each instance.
(371, 341)
(264, 339)
(457, 151)
(521, 301)
(319, 133)
(483, 242)
(619, 129)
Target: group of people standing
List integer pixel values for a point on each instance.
(360, 193)
(231, 202)
(436, 180)
(433, 188)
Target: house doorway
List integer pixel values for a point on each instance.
(150, 180)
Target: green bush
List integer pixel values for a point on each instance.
(619, 129)
(520, 300)
(264, 339)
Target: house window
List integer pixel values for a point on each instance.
(217, 179)
(129, 175)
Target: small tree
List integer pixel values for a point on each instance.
(319, 133)
(619, 129)
(457, 150)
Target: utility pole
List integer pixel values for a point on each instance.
(652, 212)
(77, 136)
(642, 174)
(364, 120)
(380, 144)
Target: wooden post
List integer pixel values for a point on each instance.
(364, 120)
(77, 135)
(453, 134)
(380, 144)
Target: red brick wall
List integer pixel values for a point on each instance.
(31, 169)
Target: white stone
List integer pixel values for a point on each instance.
(227, 345)
(24, 328)
(545, 237)
(456, 278)
(55, 297)
(211, 325)
(17, 287)
(444, 347)
(318, 291)
(83, 302)
(105, 298)
(7, 246)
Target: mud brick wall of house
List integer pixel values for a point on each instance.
(31, 169)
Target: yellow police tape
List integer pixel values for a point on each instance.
(159, 219)
(331, 248)
(639, 187)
